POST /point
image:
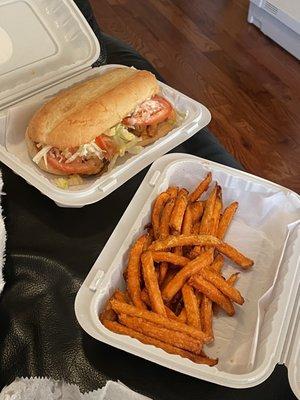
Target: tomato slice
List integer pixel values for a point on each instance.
(150, 115)
(107, 145)
(74, 167)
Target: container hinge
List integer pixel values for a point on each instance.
(108, 185)
(96, 280)
(154, 178)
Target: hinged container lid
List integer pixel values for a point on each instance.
(42, 42)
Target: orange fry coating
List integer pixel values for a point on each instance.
(212, 293)
(194, 266)
(201, 188)
(134, 271)
(177, 339)
(151, 283)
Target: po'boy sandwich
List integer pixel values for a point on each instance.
(86, 127)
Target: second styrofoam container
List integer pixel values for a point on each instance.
(266, 228)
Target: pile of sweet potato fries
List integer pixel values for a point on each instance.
(173, 277)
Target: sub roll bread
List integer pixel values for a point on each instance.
(84, 129)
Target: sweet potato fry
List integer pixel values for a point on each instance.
(209, 290)
(191, 306)
(124, 330)
(146, 300)
(221, 284)
(217, 264)
(165, 218)
(172, 191)
(184, 240)
(232, 279)
(182, 315)
(201, 188)
(234, 255)
(187, 222)
(196, 209)
(216, 213)
(226, 218)
(163, 270)
(121, 296)
(123, 308)
(206, 221)
(194, 266)
(151, 283)
(108, 313)
(157, 211)
(160, 256)
(134, 271)
(178, 211)
(177, 339)
(206, 312)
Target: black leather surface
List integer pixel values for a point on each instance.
(49, 252)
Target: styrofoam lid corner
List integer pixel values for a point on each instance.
(42, 42)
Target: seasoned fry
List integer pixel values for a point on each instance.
(182, 316)
(187, 222)
(191, 306)
(156, 212)
(184, 240)
(232, 279)
(221, 284)
(226, 218)
(160, 256)
(163, 270)
(151, 283)
(165, 218)
(177, 339)
(172, 191)
(206, 312)
(201, 188)
(202, 240)
(108, 313)
(209, 290)
(234, 255)
(123, 308)
(196, 210)
(206, 221)
(216, 213)
(146, 300)
(133, 271)
(121, 296)
(124, 330)
(178, 211)
(194, 266)
(218, 263)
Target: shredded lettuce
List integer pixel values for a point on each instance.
(41, 154)
(61, 183)
(124, 140)
(66, 182)
(86, 150)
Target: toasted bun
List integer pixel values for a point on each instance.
(78, 115)
(32, 150)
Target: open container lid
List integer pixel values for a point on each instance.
(42, 42)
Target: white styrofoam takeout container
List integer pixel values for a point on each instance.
(265, 330)
(52, 48)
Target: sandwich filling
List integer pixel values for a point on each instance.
(126, 137)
